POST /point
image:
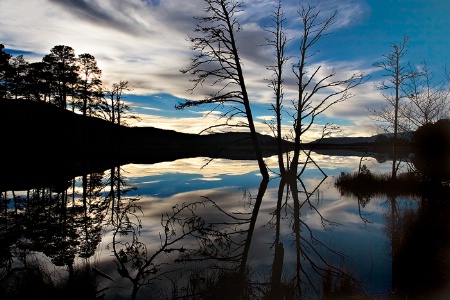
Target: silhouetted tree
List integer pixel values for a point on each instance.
(4, 67)
(278, 41)
(89, 90)
(117, 111)
(427, 100)
(38, 82)
(16, 76)
(316, 93)
(63, 66)
(219, 64)
(388, 115)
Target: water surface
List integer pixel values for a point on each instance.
(194, 218)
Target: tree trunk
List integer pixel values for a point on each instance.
(248, 111)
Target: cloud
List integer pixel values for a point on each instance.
(150, 108)
(105, 13)
(215, 169)
(131, 40)
(144, 42)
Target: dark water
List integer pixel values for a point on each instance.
(195, 229)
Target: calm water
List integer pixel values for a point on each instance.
(344, 243)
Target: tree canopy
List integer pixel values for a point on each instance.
(64, 79)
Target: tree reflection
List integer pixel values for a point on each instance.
(315, 261)
(316, 271)
(117, 191)
(186, 236)
(416, 224)
(419, 241)
(63, 222)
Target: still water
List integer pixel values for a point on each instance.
(171, 230)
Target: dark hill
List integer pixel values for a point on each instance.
(38, 135)
(43, 130)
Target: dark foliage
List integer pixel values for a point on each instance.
(366, 184)
(33, 131)
(432, 151)
(421, 259)
(37, 283)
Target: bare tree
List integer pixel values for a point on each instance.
(118, 110)
(427, 99)
(397, 73)
(219, 64)
(316, 93)
(278, 41)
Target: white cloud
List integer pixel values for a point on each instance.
(144, 42)
(215, 169)
(145, 45)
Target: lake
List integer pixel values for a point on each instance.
(194, 227)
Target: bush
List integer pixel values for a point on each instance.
(365, 184)
(432, 151)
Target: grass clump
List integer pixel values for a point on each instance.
(367, 184)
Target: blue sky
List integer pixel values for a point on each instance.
(144, 42)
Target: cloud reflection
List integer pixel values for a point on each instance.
(232, 185)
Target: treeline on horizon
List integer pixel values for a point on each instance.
(74, 83)
(65, 80)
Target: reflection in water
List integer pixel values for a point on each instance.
(55, 221)
(188, 234)
(201, 235)
(418, 234)
(417, 229)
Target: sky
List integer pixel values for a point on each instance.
(145, 43)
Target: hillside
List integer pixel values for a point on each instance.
(375, 141)
(347, 140)
(36, 129)
(43, 144)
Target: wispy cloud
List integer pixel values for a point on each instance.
(127, 16)
(145, 42)
(132, 40)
